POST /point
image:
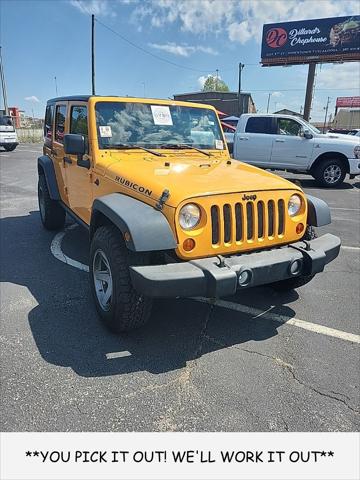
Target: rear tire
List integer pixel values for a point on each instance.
(119, 305)
(330, 173)
(296, 282)
(51, 212)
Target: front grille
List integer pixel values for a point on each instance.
(247, 222)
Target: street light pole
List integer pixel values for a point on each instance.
(3, 85)
(326, 111)
(241, 66)
(56, 88)
(268, 103)
(93, 54)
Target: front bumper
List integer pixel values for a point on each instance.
(354, 166)
(216, 277)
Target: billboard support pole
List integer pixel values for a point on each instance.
(309, 90)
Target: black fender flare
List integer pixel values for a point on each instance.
(46, 165)
(147, 227)
(318, 212)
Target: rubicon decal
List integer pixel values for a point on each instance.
(134, 186)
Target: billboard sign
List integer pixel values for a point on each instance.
(304, 41)
(348, 102)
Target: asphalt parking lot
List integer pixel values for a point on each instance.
(258, 361)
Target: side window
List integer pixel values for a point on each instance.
(60, 123)
(78, 120)
(49, 117)
(287, 126)
(259, 125)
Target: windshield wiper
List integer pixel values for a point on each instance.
(185, 146)
(127, 146)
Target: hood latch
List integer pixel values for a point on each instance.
(164, 196)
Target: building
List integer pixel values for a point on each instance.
(286, 111)
(226, 102)
(347, 118)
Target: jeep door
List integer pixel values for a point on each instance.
(255, 143)
(57, 148)
(290, 148)
(79, 180)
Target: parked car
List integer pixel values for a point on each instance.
(286, 142)
(355, 132)
(8, 136)
(168, 213)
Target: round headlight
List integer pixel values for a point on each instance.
(189, 216)
(357, 151)
(294, 205)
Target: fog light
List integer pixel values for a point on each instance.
(189, 244)
(299, 228)
(244, 278)
(295, 267)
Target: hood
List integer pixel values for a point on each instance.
(341, 137)
(186, 177)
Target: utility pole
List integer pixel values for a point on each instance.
(3, 85)
(216, 79)
(56, 89)
(93, 54)
(241, 66)
(268, 103)
(309, 90)
(326, 111)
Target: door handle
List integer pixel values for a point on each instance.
(67, 160)
(243, 138)
(279, 141)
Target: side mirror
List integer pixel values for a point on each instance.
(307, 134)
(74, 144)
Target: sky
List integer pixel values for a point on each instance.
(178, 43)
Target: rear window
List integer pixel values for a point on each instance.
(259, 125)
(49, 117)
(60, 123)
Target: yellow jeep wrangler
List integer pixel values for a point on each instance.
(169, 213)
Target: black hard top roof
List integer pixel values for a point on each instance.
(80, 98)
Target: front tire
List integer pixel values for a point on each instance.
(9, 148)
(51, 212)
(330, 173)
(296, 282)
(119, 305)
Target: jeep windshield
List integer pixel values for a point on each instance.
(157, 126)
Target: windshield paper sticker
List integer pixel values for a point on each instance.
(105, 131)
(219, 145)
(161, 115)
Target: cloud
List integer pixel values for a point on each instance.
(345, 75)
(241, 20)
(277, 94)
(101, 8)
(183, 50)
(32, 99)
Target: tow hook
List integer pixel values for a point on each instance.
(221, 263)
(164, 196)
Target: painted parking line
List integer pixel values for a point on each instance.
(56, 250)
(344, 247)
(343, 208)
(254, 312)
(283, 319)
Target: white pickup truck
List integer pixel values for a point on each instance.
(286, 142)
(8, 136)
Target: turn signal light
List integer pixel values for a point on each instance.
(189, 244)
(299, 228)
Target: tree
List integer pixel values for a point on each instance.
(214, 84)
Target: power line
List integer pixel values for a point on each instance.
(300, 89)
(150, 53)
